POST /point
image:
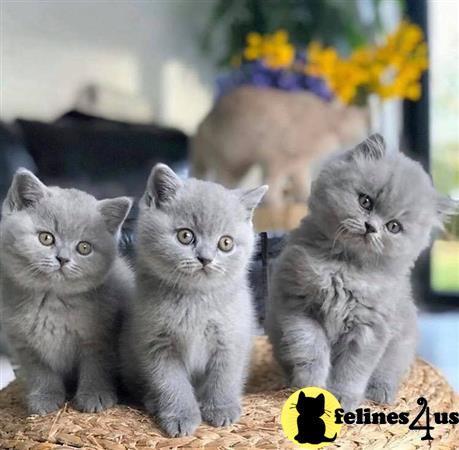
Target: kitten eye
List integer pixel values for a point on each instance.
(185, 236)
(394, 227)
(84, 248)
(366, 202)
(46, 238)
(226, 243)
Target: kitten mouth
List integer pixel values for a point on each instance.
(204, 271)
(374, 243)
(60, 273)
(196, 272)
(369, 240)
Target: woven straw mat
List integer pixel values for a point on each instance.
(123, 427)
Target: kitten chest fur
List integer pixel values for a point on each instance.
(52, 326)
(189, 327)
(349, 302)
(196, 325)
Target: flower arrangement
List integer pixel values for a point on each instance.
(272, 61)
(391, 69)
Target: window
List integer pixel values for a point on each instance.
(444, 136)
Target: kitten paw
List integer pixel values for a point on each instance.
(381, 393)
(301, 379)
(175, 426)
(221, 417)
(92, 402)
(348, 401)
(42, 404)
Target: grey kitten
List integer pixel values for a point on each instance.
(188, 338)
(341, 313)
(62, 285)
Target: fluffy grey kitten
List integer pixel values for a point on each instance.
(341, 313)
(62, 284)
(188, 338)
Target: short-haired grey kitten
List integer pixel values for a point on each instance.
(341, 313)
(62, 286)
(188, 338)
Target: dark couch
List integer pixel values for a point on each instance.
(104, 157)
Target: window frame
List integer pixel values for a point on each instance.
(416, 137)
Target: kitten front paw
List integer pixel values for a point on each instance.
(177, 426)
(349, 401)
(42, 404)
(221, 417)
(303, 377)
(93, 402)
(381, 392)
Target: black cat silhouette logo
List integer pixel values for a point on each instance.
(311, 427)
(308, 418)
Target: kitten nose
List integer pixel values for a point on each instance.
(369, 228)
(62, 260)
(204, 261)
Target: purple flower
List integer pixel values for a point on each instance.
(318, 87)
(289, 81)
(256, 73)
(260, 79)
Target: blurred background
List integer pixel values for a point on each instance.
(93, 93)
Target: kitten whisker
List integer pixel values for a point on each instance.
(376, 243)
(353, 225)
(171, 279)
(177, 280)
(339, 231)
(217, 268)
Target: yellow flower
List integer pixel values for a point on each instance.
(413, 92)
(391, 69)
(280, 37)
(254, 39)
(273, 49)
(342, 76)
(362, 56)
(280, 56)
(251, 53)
(346, 93)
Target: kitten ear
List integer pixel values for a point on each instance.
(301, 396)
(446, 207)
(25, 190)
(251, 197)
(114, 211)
(373, 147)
(162, 185)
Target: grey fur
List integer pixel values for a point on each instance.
(60, 323)
(187, 341)
(341, 313)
